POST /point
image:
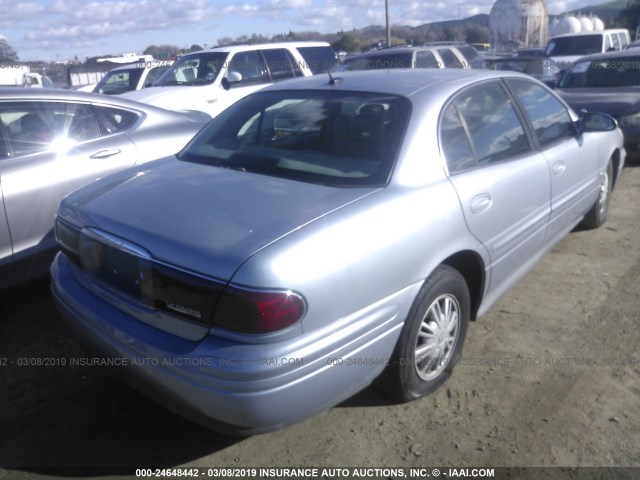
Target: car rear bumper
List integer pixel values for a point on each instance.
(227, 386)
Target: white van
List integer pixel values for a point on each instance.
(563, 50)
(211, 80)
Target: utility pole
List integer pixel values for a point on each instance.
(386, 15)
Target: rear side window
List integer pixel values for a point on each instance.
(493, 125)
(115, 120)
(471, 56)
(455, 143)
(320, 59)
(426, 59)
(616, 41)
(280, 64)
(449, 58)
(624, 41)
(550, 119)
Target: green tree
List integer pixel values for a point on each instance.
(161, 52)
(7, 53)
(347, 43)
(476, 34)
(630, 16)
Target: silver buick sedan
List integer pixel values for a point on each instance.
(324, 233)
(55, 141)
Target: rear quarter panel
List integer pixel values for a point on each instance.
(363, 253)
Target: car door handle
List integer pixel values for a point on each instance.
(106, 153)
(558, 168)
(480, 203)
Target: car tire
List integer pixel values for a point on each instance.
(430, 343)
(600, 209)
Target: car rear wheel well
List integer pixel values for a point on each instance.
(471, 267)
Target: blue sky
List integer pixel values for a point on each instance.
(63, 29)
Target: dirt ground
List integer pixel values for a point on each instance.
(550, 377)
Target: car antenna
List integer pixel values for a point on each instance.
(333, 80)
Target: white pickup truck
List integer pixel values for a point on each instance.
(16, 75)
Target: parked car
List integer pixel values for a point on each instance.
(211, 80)
(403, 57)
(135, 76)
(326, 232)
(608, 83)
(54, 141)
(564, 50)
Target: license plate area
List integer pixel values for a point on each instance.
(123, 267)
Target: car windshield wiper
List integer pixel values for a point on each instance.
(254, 162)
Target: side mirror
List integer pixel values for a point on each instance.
(232, 78)
(596, 122)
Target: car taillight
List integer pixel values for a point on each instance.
(257, 311)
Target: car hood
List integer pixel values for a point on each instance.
(612, 100)
(201, 218)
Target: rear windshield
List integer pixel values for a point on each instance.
(324, 137)
(319, 59)
(578, 45)
(612, 72)
(194, 69)
(383, 61)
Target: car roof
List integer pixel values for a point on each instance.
(260, 46)
(389, 51)
(403, 82)
(59, 94)
(593, 32)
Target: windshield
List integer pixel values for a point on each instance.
(379, 62)
(612, 72)
(575, 45)
(194, 69)
(119, 81)
(324, 137)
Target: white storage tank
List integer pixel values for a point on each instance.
(518, 23)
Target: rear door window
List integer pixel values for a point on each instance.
(33, 127)
(449, 58)
(493, 125)
(426, 59)
(281, 64)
